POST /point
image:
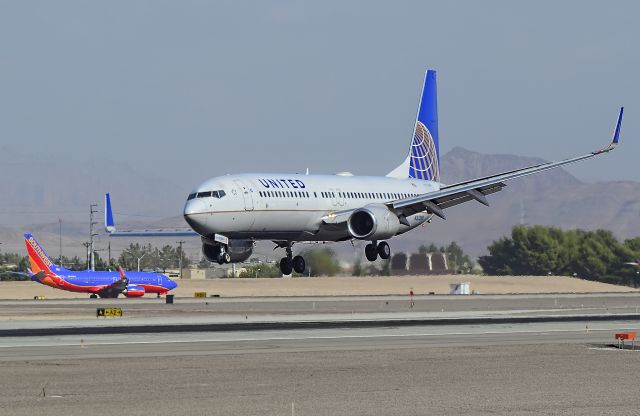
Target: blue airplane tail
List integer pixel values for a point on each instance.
(109, 224)
(423, 160)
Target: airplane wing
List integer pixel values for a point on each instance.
(110, 227)
(476, 189)
(31, 275)
(114, 289)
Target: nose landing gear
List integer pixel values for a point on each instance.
(223, 256)
(375, 249)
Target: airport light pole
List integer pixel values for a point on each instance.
(180, 256)
(86, 244)
(140, 258)
(60, 239)
(92, 234)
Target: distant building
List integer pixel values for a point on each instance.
(419, 263)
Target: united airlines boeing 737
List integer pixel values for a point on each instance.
(103, 284)
(231, 212)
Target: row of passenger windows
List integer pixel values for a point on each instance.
(305, 194)
(367, 195)
(285, 194)
(214, 194)
(350, 195)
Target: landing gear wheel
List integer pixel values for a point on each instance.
(93, 296)
(371, 252)
(224, 258)
(384, 251)
(286, 266)
(299, 264)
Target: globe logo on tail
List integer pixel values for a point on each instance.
(424, 157)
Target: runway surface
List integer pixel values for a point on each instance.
(525, 369)
(61, 317)
(516, 368)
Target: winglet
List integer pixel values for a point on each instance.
(616, 136)
(109, 225)
(122, 275)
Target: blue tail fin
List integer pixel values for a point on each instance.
(109, 225)
(423, 161)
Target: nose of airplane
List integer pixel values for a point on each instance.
(194, 215)
(171, 284)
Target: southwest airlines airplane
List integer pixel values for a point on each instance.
(231, 212)
(103, 284)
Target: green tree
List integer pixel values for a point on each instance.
(261, 270)
(357, 268)
(458, 260)
(321, 262)
(541, 250)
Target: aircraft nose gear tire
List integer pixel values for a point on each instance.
(299, 264)
(286, 266)
(224, 258)
(384, 251)
(371, 252)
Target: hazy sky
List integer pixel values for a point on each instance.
(186, 90)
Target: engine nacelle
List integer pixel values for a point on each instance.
(239, 250)
(134, 291)
(373, 222)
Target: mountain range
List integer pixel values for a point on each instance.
(46, 190)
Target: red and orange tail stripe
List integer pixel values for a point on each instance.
(37, 258)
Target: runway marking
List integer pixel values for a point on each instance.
(541, 332)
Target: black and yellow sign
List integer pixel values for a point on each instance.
(200, 294)
(113, 312)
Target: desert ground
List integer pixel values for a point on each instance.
(347, 286)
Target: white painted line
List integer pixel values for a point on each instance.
(336, 337)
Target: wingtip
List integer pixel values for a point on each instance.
(616, 134)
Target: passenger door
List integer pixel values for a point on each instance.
(246, 192)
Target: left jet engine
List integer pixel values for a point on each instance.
(239, 250)
(133, 291)
(373, 222)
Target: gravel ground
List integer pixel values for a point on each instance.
(346, 286)
(555, 379)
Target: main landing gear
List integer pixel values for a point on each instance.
(375, 249)
(289, 264)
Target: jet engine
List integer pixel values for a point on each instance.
(133, 291)
(239, 250)
(373, 222)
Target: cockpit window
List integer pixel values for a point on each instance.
(214, 194)
(191, 196)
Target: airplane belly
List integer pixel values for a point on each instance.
(285, 221)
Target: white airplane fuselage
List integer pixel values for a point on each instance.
(292, 207)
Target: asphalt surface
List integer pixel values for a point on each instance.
(518, 368)
(60, 317)
(525, 369)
